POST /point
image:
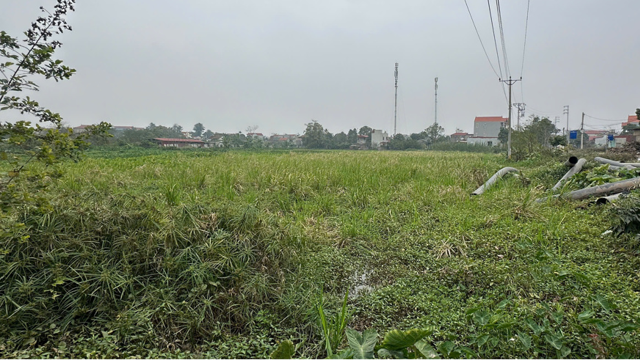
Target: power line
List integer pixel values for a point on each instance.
(616, 120)
(504, 45)
(481, 43)
(526, 27)
(495, 42)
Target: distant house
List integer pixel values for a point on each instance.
(622, 140)
(594, 134)
(633, 119)
(379, 139)
(294, 139)
(362, 139)
(459, 137)
(256, 136)
(180, 143)
(486, 130)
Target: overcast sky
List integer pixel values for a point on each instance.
(277, 64)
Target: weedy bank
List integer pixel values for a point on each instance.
(227, 254)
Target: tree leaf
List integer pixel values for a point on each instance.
(565, 351)
(362, 344)
(397, 340)
(284, 351)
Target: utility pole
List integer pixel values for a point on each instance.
(436, 121)
(395, 111)
(521, 108)
(555, 121)
(565, 111)
(582, 133)
(509, 82)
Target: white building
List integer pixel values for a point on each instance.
(379, 139)
(486, 130)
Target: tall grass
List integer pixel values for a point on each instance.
(209, 251)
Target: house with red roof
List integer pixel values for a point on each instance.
(486, 130)
(633, 119)
(459, 136)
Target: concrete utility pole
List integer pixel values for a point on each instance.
(395, 111)
(509, 82)
(521, 108)
(565, 110)
(582, 133)
(436, 121)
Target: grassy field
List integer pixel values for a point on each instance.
(224, 254)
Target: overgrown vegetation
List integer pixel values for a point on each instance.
(224, 254)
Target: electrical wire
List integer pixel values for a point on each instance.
(614, 120)
(524, 47)
(481, 43)
(526, 27)
(495, 41)
(504, 45)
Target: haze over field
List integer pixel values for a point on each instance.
(278, 64)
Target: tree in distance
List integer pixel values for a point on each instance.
(198, 129)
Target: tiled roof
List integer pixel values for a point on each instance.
(179, 140)
(459, 134)
(490, 118)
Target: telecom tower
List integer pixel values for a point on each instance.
(436, 121)
(395, 110)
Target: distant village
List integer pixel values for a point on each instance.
(486, 133)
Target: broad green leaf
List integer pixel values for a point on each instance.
(426, 350)
(565, 351)
(606, 329)
(390, 354)
(525, 340)
(343, 354)
(557, 316)
(628, 326)
(470, 354)
(362, 344)
(554, 340)
(482, 317)
(397, 340)
(284, 351)
(587, 314)
(446, 348)
(503, 304)
(482, 339)
(537, 329)
(604, 303)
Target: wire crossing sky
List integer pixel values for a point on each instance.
(277, 64)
